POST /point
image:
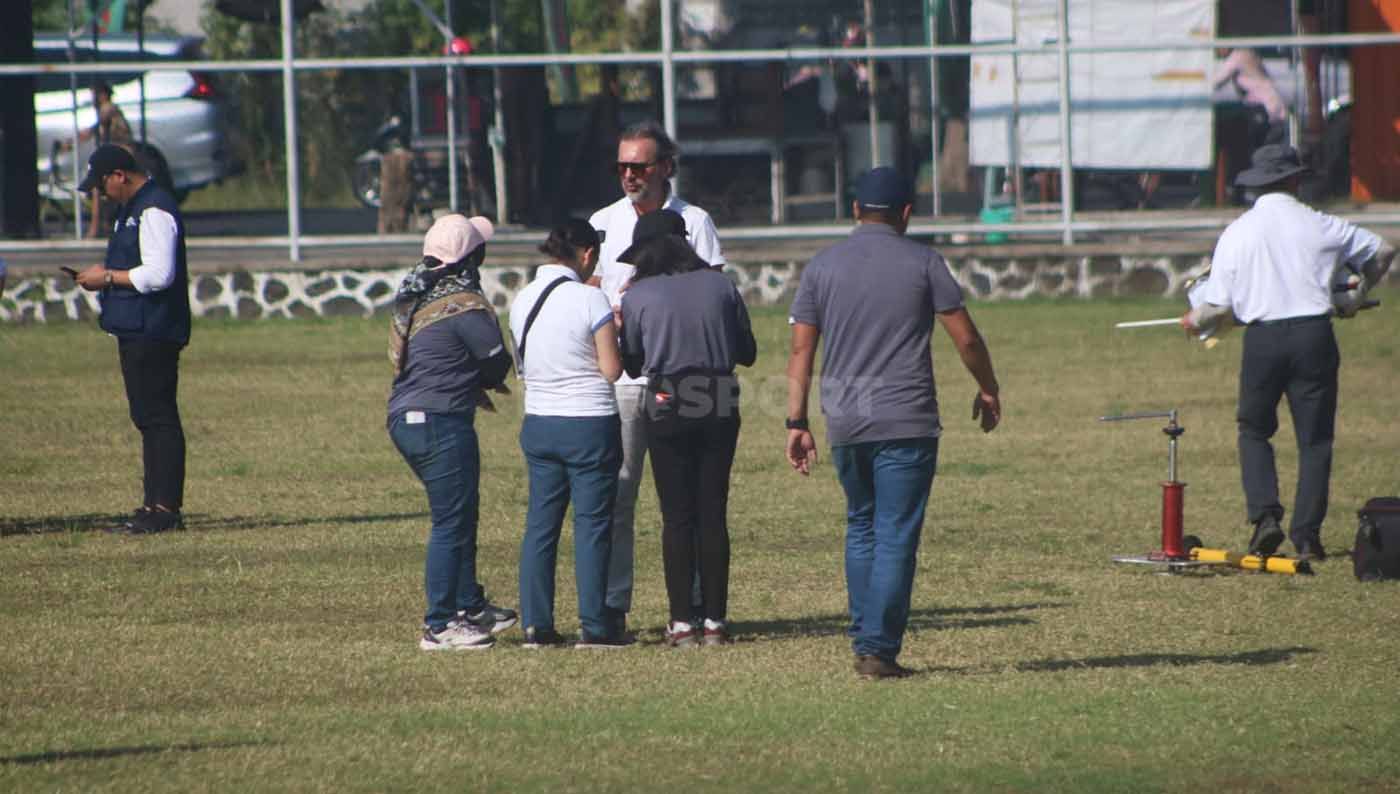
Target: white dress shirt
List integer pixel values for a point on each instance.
(1281, 258)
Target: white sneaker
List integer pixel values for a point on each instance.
(456, 636)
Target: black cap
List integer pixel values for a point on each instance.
(107, 158)
(883, 188)
(650, 226)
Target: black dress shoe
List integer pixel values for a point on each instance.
(1267, 537)
(1310, 548)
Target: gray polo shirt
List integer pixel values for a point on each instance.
(873, 297)
(692, 322)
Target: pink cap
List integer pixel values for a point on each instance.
(454, 236)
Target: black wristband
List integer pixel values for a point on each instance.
(796, 424)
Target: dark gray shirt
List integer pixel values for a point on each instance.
(873, 297)
(449, 363)
(690, 322)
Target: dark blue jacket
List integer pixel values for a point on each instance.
(163, 315)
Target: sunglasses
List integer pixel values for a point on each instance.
(639, 169)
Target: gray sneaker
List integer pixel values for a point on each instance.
(490, 618)
(456, 636)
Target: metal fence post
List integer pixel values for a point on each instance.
(668, 78)
(289, 112)
(1066, 144)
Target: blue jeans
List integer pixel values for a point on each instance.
(443, 452)
(887, 485)
(578, 456)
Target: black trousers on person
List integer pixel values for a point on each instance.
(151, 372)
(1295, 358)
(692, 434)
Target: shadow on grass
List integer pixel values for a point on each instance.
(939, 619)
(96, 522)
(99, 753)
(1263, 656)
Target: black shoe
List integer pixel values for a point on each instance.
(125, 526)
(1310, 548)
(1267, 537)
(154, 521)
(536, 637)
(594, 642)
(875, 667)
(490, 618)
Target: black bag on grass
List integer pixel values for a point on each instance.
(1377, 552)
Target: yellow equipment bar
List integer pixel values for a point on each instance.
(1250, 562)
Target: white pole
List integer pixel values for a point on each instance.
(931, 9)
(1066, 145)
(872, 105)
(668, 77)
(289, 112)
(449, 73)
(498, 140)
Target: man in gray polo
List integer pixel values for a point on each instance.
(874, 296)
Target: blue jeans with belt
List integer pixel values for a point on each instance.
(443, 451)
(887, 485)
(578, 457)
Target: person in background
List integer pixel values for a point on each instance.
(567, 353)
(110, 127)
(646, 161)
(874, 297)
(1275, 270)
(684, 329)
(143, 287)
(447, 351)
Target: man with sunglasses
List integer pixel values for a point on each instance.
(646, 161)
(144, 293)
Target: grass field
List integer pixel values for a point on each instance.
(272, 647)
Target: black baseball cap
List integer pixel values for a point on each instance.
(652, 225)
(107, 158)
(883, 188)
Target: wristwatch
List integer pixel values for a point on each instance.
(106, 278)
(796, 424)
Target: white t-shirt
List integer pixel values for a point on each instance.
(561, 362)
(617, 221)
(1280, 260)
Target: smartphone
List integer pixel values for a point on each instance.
(70, 271)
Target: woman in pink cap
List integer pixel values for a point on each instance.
(447, 351)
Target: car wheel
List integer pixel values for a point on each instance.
(364, 180)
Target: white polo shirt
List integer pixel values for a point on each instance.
(617, 221)
(1281, 258)
(561, 361)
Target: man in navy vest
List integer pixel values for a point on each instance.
(144, 294)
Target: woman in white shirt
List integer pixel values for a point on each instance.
(567, 353)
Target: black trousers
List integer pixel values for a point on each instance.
(690, 461)
(151, 372)
(1298, 359)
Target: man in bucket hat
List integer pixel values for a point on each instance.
(1275, 269)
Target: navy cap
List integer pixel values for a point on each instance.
(105, 159)
(883, 188)
(650, 226)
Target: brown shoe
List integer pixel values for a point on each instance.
(681, 638)
(873, 667)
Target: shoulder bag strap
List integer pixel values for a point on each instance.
(530, 320)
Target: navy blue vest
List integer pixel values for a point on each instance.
(163, 315)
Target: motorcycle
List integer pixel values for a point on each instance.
(430, 179)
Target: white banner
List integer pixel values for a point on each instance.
(1133, 110)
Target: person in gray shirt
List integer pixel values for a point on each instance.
(685, 328)
(873, 296)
